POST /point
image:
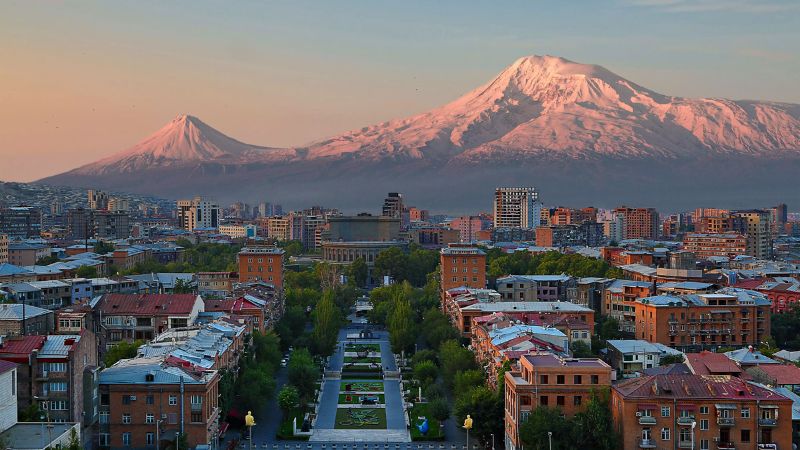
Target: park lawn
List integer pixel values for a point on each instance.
(435, 432)
(362, 348)
(285, 428)
(373, 419)
(356, 359)
(354, 399)
(361, 369)
(362, 386)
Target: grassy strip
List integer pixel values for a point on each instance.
(355, 399)
(375, 419)
(362, 348)
(285, 428)
(435, 432)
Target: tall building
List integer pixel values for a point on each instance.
(418, 215)
(261, 264)
(780, 216)
(586, 234)
(278, 228)
(112, 224)
(725, 223)
(394, 207)
(638, 223)
(198, 213)
(758, 229)
(264, 209)
(516, 207)
(462, 266)
(3, 248)
(117, 204)
(97, 200)
(707, 245)
(21, 222)
(80, 223)
(468, 227)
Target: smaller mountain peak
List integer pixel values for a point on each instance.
(185, 118)
(556, 65)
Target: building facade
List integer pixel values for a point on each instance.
(198, 213)
(516, 207)
(462, 266)
(261, 264)
(638, 223)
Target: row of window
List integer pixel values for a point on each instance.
(684, 435)
(455, 279)
(260, 260)
(576, 379)
(149, 418)
(149, 399)
(474, 270)
(666, 410)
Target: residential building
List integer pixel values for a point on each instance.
(80, 224)
(27, 254)
(462, 267)
(8, 395)
(468, 227)
(131, 317)
(393, 207)
(720, 224)
(97, 200)
(217, 284)
(730, 317)
(706, 245)
(3, 248)
(631, 357)
(516, 207)
(278, 228)
(198, 213)
(111, 225)
(776, 375)
(21, 319)
(783, 292)
(619, 299)
(261, 264)
(551, 381)
(711, 363)
(758, 229)
(586, 234)
(638, 223)
(144, 401)
(239, 231)
(535, 288)
(699, 411)
(10, 273)
(433, 237)
(21, 222)
(418, 215)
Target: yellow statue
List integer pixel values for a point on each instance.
(468, 422)
(249, 420)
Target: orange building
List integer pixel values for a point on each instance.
(462, 266)
(700, 412)
(730, 317)
(638, 223)
(547, 380)
(261, 264)
(706, 245)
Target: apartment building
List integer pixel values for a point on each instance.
(21, 319)
(261, 264)
(462, 266)
(198, 213)
(146, 402)
(517, 207)
(3, 248)
(631, 356)
(586, 234)
(551, 381)
(783, 292)
(730, 317)
(21, 222)
(619, 299)
(533, 288)
(758, 229)
(26, 254)
(700, 412)
(638, 223)
(217, 284)
(468, 227)
(708, 245)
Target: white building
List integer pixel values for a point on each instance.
(8, 395)
(517, 207)
(198, 213)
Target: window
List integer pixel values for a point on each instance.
(103, 417)
(104, 439)
(595, 379)
(703, 424)
(559, 379)
(543, 379)
(126, 399)
(665, 411)
(577, 379)
(149, 400)
(197, 417)
(745, 413)
(126, 418)
(576, 401)
(543, 400)
(58, 367)
(704, 444)
(149, 439)
(745, 436)
(665, 434)
(197, 399)
(58, 386)
(58, 405)
(560, 400)
(149, 418)
(704, 410)
(173, 400)
(126, 439)
(685, 435)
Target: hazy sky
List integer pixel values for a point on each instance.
(82, 80)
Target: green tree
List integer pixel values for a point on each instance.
(595, 424)
(258, 382)
(86, 272)
(327, 320)
(122, 350)
(533, 432)
(357, 272)
(74, 443)
(47, 260)
(426, 372)
(436, 328)
(581, 349)
(439, 409)
(670, 359)
(101, 247)
(31, 413)
(466, 380)
(183, 287)
(392, 262)
(292, 248)
(266, 348)
(486, 410)
(288, 399)
(291, 325)
(402, 332)
(303, 373)
(454, 358)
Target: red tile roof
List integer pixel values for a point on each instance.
(232, 305)
(147, 304)
(21, 345)
(709, 363)
(712, 387)
(783, 374)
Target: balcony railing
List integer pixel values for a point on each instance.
(685, 420)
(726, 446)
(647, 420)
(725, 421)
(197, 406)
(647, 443)
(767, 446)
(768, 422)
(684, 444)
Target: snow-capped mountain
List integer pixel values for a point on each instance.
(541, 121)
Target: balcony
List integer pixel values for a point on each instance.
(647, 420)
(684, 444)
(197, 406)
(685, 420)
(725, 421)
(767, 422)
(767, 446)
(726, 446)
(647, 443)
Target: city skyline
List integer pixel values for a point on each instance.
(282, 75)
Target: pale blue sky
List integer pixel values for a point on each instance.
(81, 80)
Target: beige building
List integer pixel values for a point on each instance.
(198, 213)
(758, 228)
(517, 207)
(278, 228)
(3, 248)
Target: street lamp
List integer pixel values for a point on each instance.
(550, 439)
(694, 424)
(177, 440)
(492, 440)
(468, 426)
